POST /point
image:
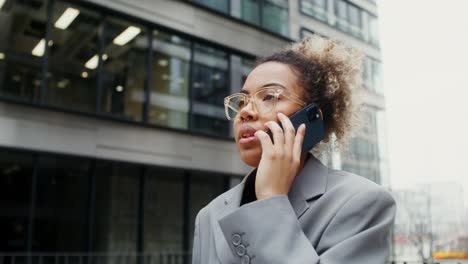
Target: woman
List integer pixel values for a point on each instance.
(291, 208)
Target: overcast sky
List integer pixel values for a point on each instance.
(425, 55)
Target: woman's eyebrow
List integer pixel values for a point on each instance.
(265, 85)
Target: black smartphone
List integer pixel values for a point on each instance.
(312, 117)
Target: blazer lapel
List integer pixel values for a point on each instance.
(310, 183)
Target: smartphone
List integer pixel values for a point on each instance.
(312, 117)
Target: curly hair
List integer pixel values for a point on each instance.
(330, 74)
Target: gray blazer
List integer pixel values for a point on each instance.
(328, 217)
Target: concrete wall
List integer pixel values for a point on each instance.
(46, 130)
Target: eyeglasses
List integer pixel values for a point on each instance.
(264, 100)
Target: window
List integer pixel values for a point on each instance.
(116, 208)
(355, 22)
(164, 204)
(272, 15)
(204, 188)
(373, 30)
(210, 86)
(275, 16)
(372, 75)
(349, 18)
(251, 11)
(74, 39)
(61, 203)
(16, 169)
(218, 5)
(124, 60)
(315, 8)
(169, 99)
(22, 46)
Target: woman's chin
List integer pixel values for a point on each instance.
(251, 157)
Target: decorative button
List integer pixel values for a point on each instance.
(245, 259)
(240, 250)
(236, 239)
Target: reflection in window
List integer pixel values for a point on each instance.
(169, 103)
(22, 45)
(116, 208)
(315, 8)
(164, 219)
(124, 67)
(61, 203)
(210, 86)
(15, 196)
(219, 5)
(73, 58)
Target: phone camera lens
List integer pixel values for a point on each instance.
(313, 113)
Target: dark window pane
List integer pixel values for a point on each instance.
(276, 16)
(116, 211)
(73, 58)
(211, 85)
(124, 65)
(250, 11)
(16, 171)
(164, 219)
(219, 5)
(203, 189)
(61, 205)
(22, 45)
(169, 99)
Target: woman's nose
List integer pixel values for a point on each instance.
(248, 112)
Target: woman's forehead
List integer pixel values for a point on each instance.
(271, 72)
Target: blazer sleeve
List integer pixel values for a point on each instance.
(268, 231)
(196, 242)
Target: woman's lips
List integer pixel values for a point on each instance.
(246, 134)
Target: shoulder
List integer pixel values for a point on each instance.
(216, 204)
(355, 189)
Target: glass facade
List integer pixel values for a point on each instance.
(316, 8)
(76, 206)
(372, 75)
(22, 48)
(73, 44)
(272, 15)
(170, 80)
(345, 16)
(211, 84)
(96, 63)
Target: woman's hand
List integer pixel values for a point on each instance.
(280, 161)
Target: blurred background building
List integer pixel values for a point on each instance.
(112, 127)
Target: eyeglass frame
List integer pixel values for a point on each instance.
(280, 90)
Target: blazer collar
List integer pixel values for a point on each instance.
(310, 183)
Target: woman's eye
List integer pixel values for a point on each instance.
(268, 97)
(240, 103)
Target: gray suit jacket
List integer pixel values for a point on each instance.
(328, 217)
